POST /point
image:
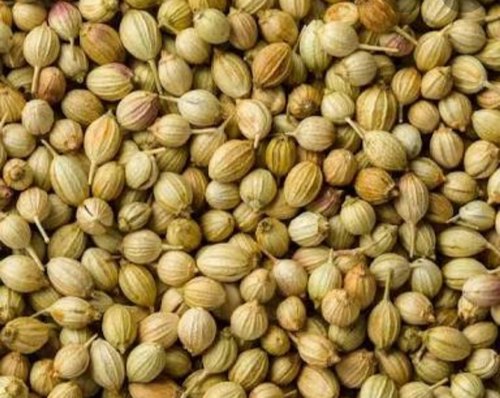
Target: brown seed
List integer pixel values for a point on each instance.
(110, 48)
(395, 364)
(378, 16)
(231, 161)
(355, 368)
(304, 172)
(374, 185)
(272, 65)
(291, 314)
(361, 285)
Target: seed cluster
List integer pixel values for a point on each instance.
(250, 198)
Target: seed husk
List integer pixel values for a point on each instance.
(72, 360)
(323, 279)
(138, 110)
(69, 278)
(197, 330)
(40, 48)
(378, 385)
(482, 290)
(384, 322)
(250, 368)
(451, 242)
(383, 150)
(22, 274)
(131, 277)
(463, 384)
(291, 314)
(135, 25)
(315, 350)
(244, 217)
(106, 365)
(231, 161)
(25, 335)
(446, 343)
(303, 171)
(72, 312)
(249, 321)
(224, 262)
(272, 65)
(145, 362)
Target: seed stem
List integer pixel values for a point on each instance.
(72, 47)
(35, 257)
(42, 231)
(486, 19)
(331, 256)
(406, 35)
(155, 151)
(154, 69)
(39, 313)
(439, 384)
(356, 127)
(413, 238)
(3, 121)
(209, 130)
(468, 225)
(91, 340)
(203, 375)
(49, 147)
(491, 86)
(256, 141)
(169, 27)
(370, 47)
(36, 79)
(92, 170)
(419, 354)
(387, 287)
(492, 247)
(269, 255)
(171, 247)
(293, 338)
(170, 98)
(445, 29)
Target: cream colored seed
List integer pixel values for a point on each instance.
(249, 198)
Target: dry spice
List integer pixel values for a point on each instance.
(249, 198)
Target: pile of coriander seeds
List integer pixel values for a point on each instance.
(250, 199)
